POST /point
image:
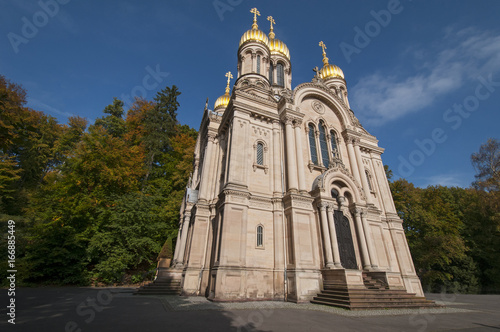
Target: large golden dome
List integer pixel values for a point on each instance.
(223, 100)
(329, 70)
(254, 35)
(276, 46)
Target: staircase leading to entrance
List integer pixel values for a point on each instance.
(375, 295)
(161, 286)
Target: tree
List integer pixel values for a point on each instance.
(487, 165)
(159, 125)
(113, 123)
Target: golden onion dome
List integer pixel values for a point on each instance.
(329, 70)
(276, 46)
(223, 100)
(254, 34)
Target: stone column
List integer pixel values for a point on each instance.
(352, 160)
(178, 242)
(327, 243)
(276, 158)
(195, 171)
(318, 147)
(254, 63)
(290, 154)
(300, 157)
(361, 239)
(184, 235)
(329, 146)
(371, 248)
(362, 174)
(333, 237)
(205, 172)
(212, 171)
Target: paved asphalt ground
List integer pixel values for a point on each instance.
(116, 309)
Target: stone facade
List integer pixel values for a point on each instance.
(287, 188)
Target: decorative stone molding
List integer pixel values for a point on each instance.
(320, 180)
(318, 107)
(211, 137)
(313, 166)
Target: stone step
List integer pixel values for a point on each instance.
(368, 296)
(374, 295)
(366, 291)
(377, 301)
(375, 306)
(161, 286)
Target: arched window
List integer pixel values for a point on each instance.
(335, 193)
(333, 138)
(323, 145)
(271, 70)
(260, 154)
(369, 180)
(281, 75)
(312, 145)
(258, 64)
(260, 236)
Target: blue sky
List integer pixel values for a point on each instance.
(422, 76)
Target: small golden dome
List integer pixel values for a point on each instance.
(328, 70)
(223, 100)
(276, 46)
(331, 71)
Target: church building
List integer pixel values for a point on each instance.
(288, 193)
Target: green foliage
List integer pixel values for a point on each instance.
(128, 234)
(454, 233)
(87, 209)
(167, 251)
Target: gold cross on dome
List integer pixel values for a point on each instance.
(255, 12)
(271, 32)
(229, 77)
(323, 46)
(271, 19)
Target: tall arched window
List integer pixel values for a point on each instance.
(260, 236)
(258, 64)
(260, 154)
(335, 151)
(323, 145)
(281, 75)
(271, 70)
(312, 145)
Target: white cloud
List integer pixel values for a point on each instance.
(461, 56)
(447, 180)
(39, 106)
